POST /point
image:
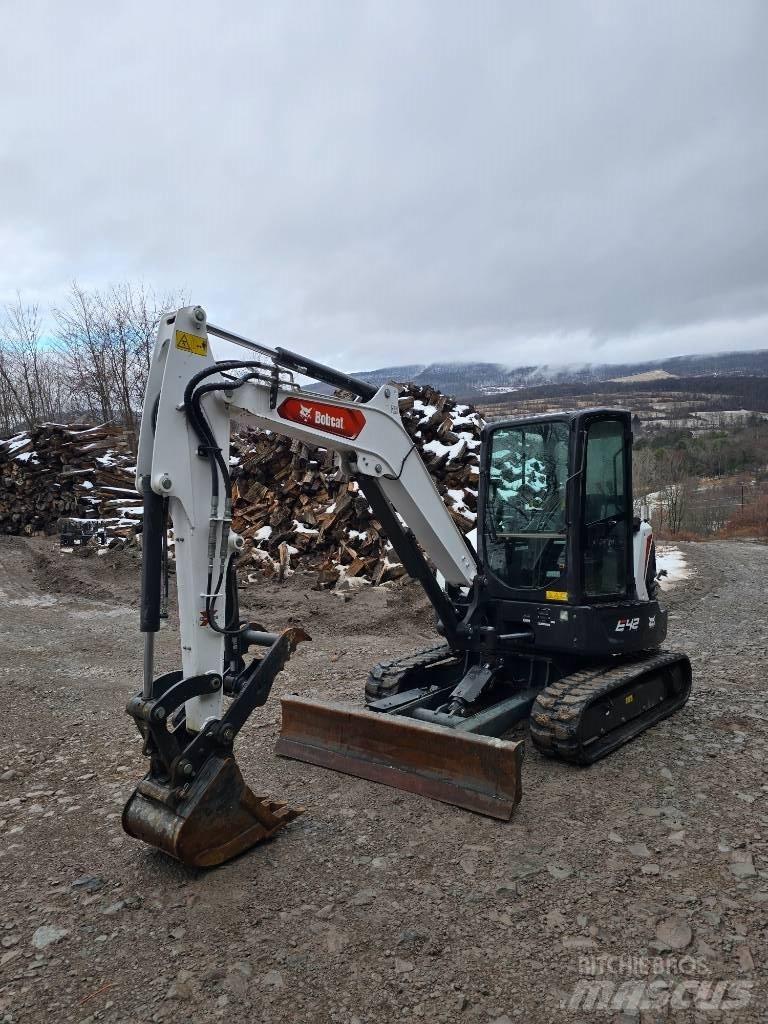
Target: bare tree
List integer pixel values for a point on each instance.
(105, 338)
(9, 408)
(81, 343)
(645, 478)
(674, 496)
(31, 385)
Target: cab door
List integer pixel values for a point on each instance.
(606, 507)
(523, 513)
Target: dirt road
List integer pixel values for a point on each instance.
(376, 905)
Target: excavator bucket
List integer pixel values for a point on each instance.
(478, 773)
(215, 818)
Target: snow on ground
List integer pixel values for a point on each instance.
(672, 559)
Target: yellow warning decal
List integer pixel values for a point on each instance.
(557, 595)
(629, 699)
(193, 343)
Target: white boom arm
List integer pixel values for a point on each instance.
(369, 436)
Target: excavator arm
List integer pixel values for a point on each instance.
(193, 802)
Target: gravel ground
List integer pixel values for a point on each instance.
(374, 905)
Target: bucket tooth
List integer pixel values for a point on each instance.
(478, 773)
(207, 822)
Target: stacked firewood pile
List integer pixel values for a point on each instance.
(296, 511)
(56, 472)
(291, 504)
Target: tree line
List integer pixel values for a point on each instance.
(88, 359)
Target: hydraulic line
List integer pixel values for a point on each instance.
(218, 536)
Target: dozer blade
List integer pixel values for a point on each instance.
(478, 773)
(213, 819)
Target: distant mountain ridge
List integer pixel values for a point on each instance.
(470, 380)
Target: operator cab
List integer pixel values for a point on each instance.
(556, 507)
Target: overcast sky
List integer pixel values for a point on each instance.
(399, 182)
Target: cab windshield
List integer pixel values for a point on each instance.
(525, 511)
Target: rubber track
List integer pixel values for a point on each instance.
(385, 678)
(557, 712)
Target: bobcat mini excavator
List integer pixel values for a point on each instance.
(553, 618)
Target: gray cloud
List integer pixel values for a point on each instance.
(379, 183)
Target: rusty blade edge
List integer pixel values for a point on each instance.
(491, 786)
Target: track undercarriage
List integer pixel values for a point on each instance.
(578, 712)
